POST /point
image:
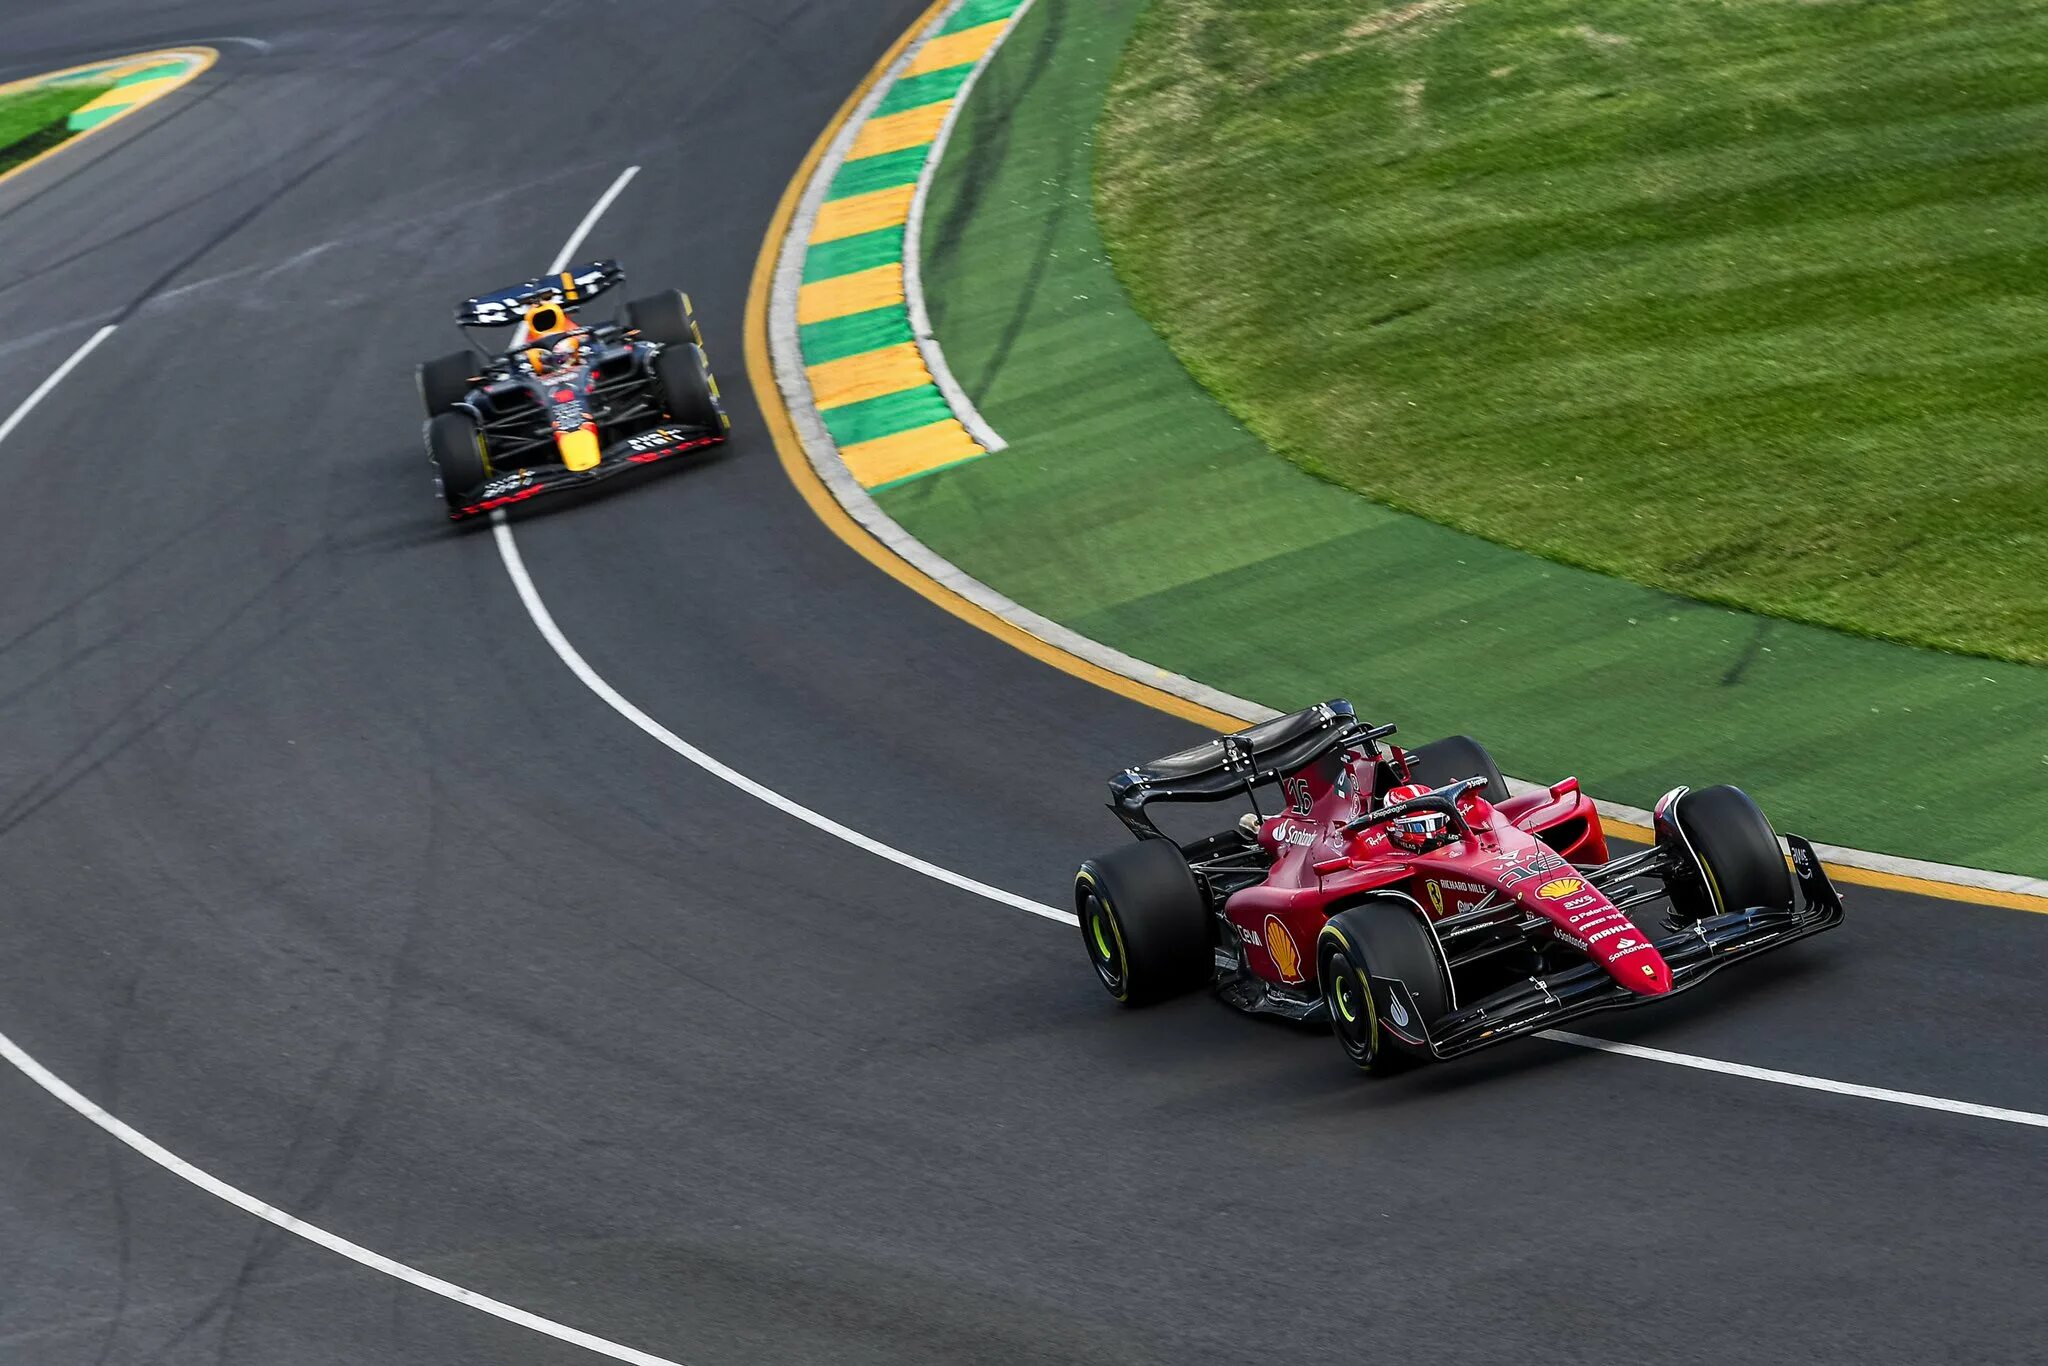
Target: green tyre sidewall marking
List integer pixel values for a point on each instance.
(1337, 970)
(1111, 962)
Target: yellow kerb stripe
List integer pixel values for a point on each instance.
(870, 212)
(872, 374)
(140, 93)
(911, 128)
(908, 453)
(957, 49)
(856, 293)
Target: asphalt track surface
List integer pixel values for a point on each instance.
(317, 866)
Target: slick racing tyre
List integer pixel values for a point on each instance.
(689, 391)
(1728, 853)
(457, 448)
(1454, 758)
(665, 318)
(1144, 923)
(445, 381)
(1381, 938)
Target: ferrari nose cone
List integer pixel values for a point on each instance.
(1633, 961)
(1645, 973)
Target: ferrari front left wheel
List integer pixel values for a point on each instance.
(1384, 939)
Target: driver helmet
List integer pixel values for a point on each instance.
(551, 342)
(1418, 830)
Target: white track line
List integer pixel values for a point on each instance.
(604, 201)
(1772, 1075)
(508, 550)
(544, 622)
(240, 1199)
(28, 405)
(269, 1213)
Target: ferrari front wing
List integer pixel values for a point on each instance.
(1694, 954)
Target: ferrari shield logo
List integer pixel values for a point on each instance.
(1436, 896)
(1649, 971)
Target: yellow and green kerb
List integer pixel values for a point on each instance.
(868, 377)
(132, 82)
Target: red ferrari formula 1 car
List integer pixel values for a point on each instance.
(1408, 899)
(569, 403)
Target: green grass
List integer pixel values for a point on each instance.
(1746, 300)
(1131, 507)
(32, 122)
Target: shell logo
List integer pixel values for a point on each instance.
(1280, 944)
(1558, 888)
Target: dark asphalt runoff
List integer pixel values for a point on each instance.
(320, 869)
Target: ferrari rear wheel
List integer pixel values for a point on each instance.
(1144, 924)
(1386, 939)
(689, 391)
(457, 448)
(446, 380)
(1454, 758)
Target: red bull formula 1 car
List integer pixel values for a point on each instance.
(1408, 899)
(568, 403)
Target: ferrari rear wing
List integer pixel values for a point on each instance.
(1231, 765)
(570, 288)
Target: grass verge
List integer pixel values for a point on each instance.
(32, 121)
(1131, 507)
(1742, 299)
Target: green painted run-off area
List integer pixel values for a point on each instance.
(1133, 508)
(33, 121)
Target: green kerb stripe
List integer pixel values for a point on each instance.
(930, 88)
(878, 173)
(88, 118)
(975, 13)
(849, 254)
(838, 338)
(885, 416)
